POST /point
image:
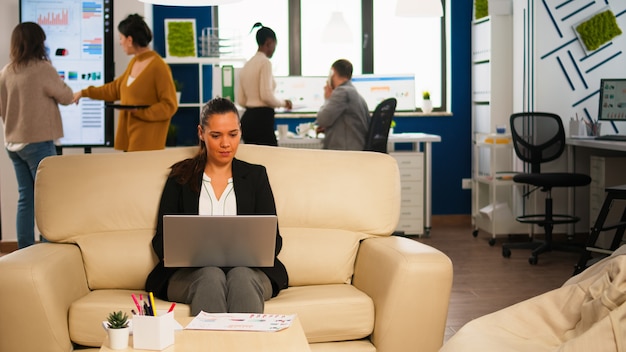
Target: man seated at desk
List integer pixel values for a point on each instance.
(344, 118)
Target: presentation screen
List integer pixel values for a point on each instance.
(306, 93)
(79, 38)
(376, 88)
(612, 99)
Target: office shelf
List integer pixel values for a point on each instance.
(494, 194)
(197, 76)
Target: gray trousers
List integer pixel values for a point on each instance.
(210, 289)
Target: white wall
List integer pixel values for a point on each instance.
(553, 73)
(9, 18)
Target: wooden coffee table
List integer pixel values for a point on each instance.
(291, 339)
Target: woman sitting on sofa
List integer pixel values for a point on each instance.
(215, 183)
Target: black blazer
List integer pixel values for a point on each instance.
(254, 196)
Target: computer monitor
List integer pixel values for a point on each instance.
(612, 99)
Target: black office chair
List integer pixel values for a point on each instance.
(378, 132)
(539, 137)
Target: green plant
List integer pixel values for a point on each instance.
(117, 320)
(598, 30)
(180, 37)
(481, 9)
(393, 124)
(178, 85)
(426, 95)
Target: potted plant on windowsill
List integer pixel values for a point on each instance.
(179, 89)
(427, 104)
(118, 330)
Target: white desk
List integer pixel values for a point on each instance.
(595, 147)
(421, 142)
(595, 144)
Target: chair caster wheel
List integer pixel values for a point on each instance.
(492, 242)
(533, 260)
(475, 233)
(506, 252)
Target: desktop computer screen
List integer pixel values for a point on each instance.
(612, 99)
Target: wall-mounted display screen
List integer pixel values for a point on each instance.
(612, 99)
(79, 41)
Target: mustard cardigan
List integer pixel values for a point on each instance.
(141, 129)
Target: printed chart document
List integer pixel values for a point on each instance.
(240, 322)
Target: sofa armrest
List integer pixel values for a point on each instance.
(410, 285)
(37, 285)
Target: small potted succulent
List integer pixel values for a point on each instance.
(179, 89)
(117, 323)
(427, 104)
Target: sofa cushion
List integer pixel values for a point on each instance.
(329, 255)
(327, 312)
(118, 259)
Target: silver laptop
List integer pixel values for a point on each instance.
(223, 241)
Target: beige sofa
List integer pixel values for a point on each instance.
(587, 313)
(353, 286)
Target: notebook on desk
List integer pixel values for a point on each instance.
(222, 241)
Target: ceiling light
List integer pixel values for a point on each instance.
(337, 29)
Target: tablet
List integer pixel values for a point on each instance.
(125, 107)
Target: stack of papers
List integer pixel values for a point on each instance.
(240, 322)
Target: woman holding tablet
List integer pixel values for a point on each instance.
(214, 182)
(146, 91)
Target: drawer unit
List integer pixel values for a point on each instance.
(411, 168)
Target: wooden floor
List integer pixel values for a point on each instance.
(484, 281)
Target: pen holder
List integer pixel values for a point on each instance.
(594, 129)
(153, 333)
(577, 128)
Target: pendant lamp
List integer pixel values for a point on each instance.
(337, 29)
(419, 8)
(190, 2)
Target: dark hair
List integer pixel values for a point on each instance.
(343, 68)
(27, 44)
(263, 34)
(189, 170)
(134, 26)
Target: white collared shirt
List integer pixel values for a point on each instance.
(210, 205)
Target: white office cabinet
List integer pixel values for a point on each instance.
(604, 172)
(493, 196)
(411, 167)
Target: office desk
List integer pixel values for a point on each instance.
(421, 155)
(595, 144)
(579, 151)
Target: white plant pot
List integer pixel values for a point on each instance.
(427, 106)
(178, 94)
(118, 338)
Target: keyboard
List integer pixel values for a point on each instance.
(612, 137)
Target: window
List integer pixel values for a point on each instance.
(241, 16)
(409, 45)
(318, 52)
(401, 45)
